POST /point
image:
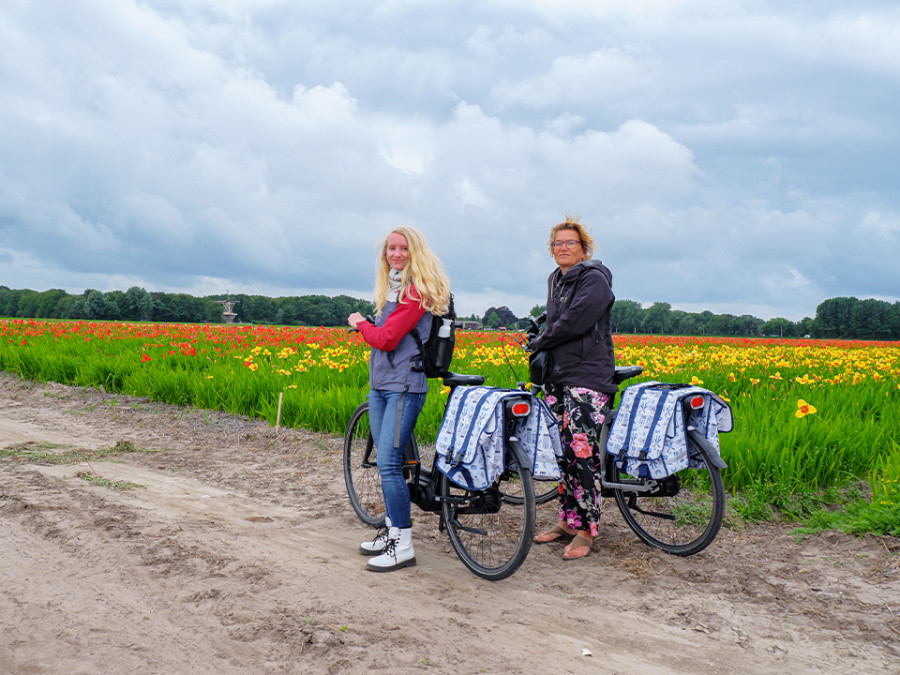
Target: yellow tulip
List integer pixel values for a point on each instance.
(804, 409)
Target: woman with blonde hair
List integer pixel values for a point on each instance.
(580, 387)
(410, 288)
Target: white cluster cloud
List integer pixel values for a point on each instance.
(736, 157)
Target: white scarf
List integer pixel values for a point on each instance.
(394, 281)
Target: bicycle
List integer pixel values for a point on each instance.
(680, 514)
(491, 530)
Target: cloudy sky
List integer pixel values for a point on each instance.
(736, 156)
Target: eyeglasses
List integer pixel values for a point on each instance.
(571, 243)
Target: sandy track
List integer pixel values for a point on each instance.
(237, 553)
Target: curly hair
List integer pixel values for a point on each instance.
(573, 223)
(424, 271)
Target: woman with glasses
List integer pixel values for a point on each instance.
(580, 388)
(410, 288)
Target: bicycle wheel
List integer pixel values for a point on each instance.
(684, 514)
(491, 530)
(361, 470)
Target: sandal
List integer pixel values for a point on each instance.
(579, 548)
(555, 533)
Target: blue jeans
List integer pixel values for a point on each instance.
(383, 420)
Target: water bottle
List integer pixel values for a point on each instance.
(444, 347)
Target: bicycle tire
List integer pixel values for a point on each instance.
(361, 470)
(687, 516)
(491, 530)
(540, 497)
(549, 494)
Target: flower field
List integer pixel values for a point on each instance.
(811, 417)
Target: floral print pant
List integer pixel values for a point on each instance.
(581, 413)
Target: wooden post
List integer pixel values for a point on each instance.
(278, 416)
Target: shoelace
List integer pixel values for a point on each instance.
(389, 548)
(382, 534)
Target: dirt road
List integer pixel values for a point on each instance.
(231, 548)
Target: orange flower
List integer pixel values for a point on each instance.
(144, 358)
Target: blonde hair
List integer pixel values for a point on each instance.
(424, 271)
(572, 223)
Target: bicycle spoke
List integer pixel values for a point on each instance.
(361, 469)
(490, 530)
(685, 513)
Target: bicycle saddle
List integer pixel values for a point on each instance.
(458, 380)
(626, 372)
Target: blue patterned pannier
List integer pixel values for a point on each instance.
(648, 436)
(470, 444)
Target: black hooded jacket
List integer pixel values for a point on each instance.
(578, 330)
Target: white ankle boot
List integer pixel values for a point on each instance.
(378, 544)
(398, 552)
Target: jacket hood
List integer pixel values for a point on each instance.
(576, 270)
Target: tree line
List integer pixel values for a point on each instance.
(136, 304)
(841, 318)
(846, 318)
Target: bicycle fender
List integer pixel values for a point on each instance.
(519, 452)
(714, 457)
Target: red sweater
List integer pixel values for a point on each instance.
(398, 323)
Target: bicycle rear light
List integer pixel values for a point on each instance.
(696, 402)
(521, 408)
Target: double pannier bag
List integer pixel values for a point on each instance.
(470, 443)
(649, 436)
